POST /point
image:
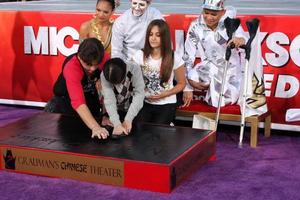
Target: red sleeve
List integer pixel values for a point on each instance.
(73, 75)
(106, 57)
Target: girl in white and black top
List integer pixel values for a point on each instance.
(159, 66)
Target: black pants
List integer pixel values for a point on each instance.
(160, 114)
(60, 105)
(63, 105)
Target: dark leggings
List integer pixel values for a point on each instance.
(160, 114)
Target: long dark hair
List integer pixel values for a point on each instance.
(111, 2)
(167, 53)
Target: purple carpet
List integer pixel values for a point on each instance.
(271, 171)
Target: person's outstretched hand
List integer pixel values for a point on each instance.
(119, 130)
(99, 132)
(106, 121)
(187, 98)
(127, 125)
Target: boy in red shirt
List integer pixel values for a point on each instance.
(75, 91)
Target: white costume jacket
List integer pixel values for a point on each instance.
(129, 32)
(210, 46)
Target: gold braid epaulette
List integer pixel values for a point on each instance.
(97, 31)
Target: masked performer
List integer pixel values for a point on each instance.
(129, 29)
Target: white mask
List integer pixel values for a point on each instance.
(138, 7)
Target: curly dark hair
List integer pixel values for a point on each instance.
(91, 51)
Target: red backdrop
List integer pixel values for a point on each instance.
(33, 46)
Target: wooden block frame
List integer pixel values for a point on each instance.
(252, 120)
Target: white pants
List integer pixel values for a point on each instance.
(211, 74)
